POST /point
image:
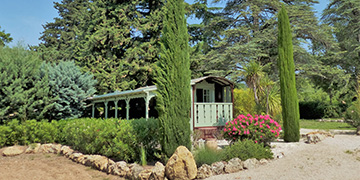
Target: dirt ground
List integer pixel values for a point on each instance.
(325, 160)
(46, 167)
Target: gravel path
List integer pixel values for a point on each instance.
(325, 160)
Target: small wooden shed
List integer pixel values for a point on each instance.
(211, 103)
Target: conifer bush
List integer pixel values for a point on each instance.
(173, 79)
(289, 100)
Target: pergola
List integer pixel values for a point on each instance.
(147, 93)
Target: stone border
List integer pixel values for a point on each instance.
(134, 170)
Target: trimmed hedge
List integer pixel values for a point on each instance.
(114, 138)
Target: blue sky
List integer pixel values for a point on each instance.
(23, 19)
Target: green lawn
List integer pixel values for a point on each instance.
(314, 124)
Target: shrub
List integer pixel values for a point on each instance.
(352, 115)
(246, 149)
(147, 134)
(261, 129)
(207, 156)
(110, 137)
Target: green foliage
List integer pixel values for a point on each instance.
(352, 115)
(260, 129)
(244, 102)
(30, 131)
(21, 89)
(111, 137)
(148, 135)
(117, 41)
(117, 139)
(69, 88)
(289, 100)
(247, 149)
(4, 38)
(143, 156)
(207, 156)
(312, 110)
(173, 79)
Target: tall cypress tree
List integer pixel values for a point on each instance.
(173, 79)
(289, 100)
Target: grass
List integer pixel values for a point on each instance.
(314, 124)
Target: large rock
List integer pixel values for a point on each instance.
(251, 163)
(66, 151)
(13, 151)
(204, 171)
(317, 136)
(135, 170)
(181, 165)
(75, 156)
(234, 165)
(158, 172)
(218, 167)
(121, 169)
(212, 144)
(144, 174)
(263, 161)
(50, 148)
(102, 163)
(33, 148)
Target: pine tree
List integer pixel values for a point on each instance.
(69, 88)
(4, 38)
(289, 100)
(21, 94)
(173, 79)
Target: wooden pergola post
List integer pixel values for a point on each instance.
(93, 110)
(106, 109)
(127, 100)
(116, 108)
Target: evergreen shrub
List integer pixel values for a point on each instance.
(247, 149)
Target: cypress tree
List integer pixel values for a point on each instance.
(173, 79)
(289, 100)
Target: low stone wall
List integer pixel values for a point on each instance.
(182, 162)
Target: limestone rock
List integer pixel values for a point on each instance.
(212, 144)
(135, 170)
(317, 136)
(50, 148)
(234, 165)
(121, 169)
(101, 163)
(204, 172)
(13, 151)
(144, 174)
(66, 150)
(33, 148)
(251, 163)
(218, 167)
(263, 161)
(181, 165)
(75, 156)
(158, 172)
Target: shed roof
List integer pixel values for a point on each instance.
(146, 89)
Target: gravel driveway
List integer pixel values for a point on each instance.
(329, 159)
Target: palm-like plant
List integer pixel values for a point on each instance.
(251, 73)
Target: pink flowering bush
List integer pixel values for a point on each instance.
(259, 128)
